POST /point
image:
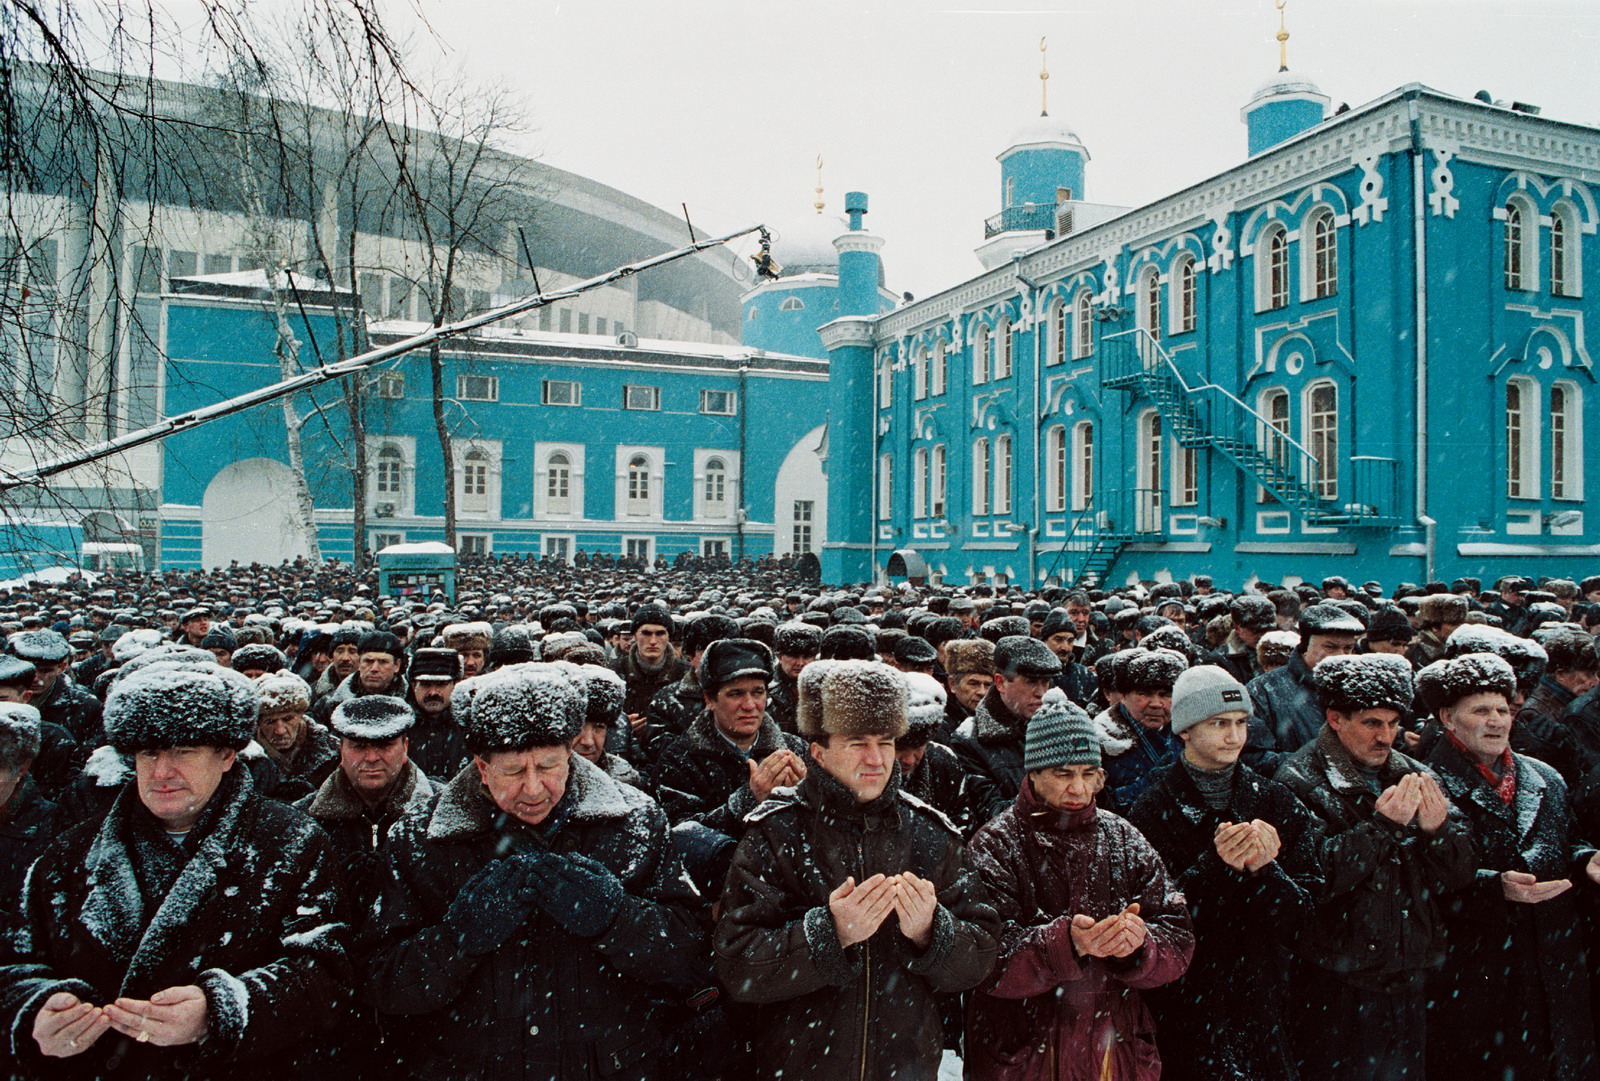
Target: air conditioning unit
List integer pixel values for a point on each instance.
(383, 510)
(1063, 220)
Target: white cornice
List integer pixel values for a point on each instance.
(850, 330)
(858, 240)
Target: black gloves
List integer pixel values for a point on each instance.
(495, 902)
(580, 894)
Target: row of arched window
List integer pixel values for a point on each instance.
(1543, 426)
(1522, 248)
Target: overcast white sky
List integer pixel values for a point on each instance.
(726, 105)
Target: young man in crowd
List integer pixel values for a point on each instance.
(849, 908)
(1288, 714)
(990, 742)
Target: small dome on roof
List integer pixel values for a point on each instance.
(1280, 83)
(1045, 129)
(804, 245)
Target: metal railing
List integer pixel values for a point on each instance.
(1022, 216)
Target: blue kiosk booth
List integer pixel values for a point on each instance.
(425, 571)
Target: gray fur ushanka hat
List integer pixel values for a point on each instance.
(853, 698)
(181, 703)
(519, 707)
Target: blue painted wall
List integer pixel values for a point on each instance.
(1277, 120)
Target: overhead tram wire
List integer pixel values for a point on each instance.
(361, 362)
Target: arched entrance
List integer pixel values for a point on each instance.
(248, 513)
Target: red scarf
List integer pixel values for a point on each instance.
(1505, 785)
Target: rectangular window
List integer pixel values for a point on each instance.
(380, 541)
(936, 501)
(219, 264)
(919, 375)
(1185, 477)
(919, 482)
(885, 488)
(714, 548)
(639, 548)
(583, 322)
(1082, 326)
(1322, 431)
(477, 388)
(1558, 443)
(558, 548)
(565, 321)
(600, 324)
(479, 300)
(641, 397)
(562, 392)
(717, 402)
(940, 368)
(472, 544)
(1187, 303)
(399, 306)
(1002, 475)
(147, 270)
(804, 516)
(1056, 469)
(371, 287)
(180, 264)
(1083, 456)
(1518, 475)
(389, 385)
(544, 318)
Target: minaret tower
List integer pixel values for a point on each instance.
(1285, 105)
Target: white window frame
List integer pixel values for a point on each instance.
(390, 386)
(1149, 471)
(1004, 472)
(489, 391)
(730, 399)
(641, 397)
(1005, 347)
(941, 368)
(919, 482)
(543, 506)
(379, 539)
(1083, 451)
(980, 354)
(807, 524)
(938, 481)
(1150, 304)
(406, 501)
(1522, 437)
(792, 304)
(648, 543)
(1566, 442)
(720, 543)
(1185, 475)
(1519, 235)
(1272, 434)
(551, 392)
(569, 541)
(1565, 223)
(919, 374)
(980, 477)
(1055, 464)
(1319, 241)
(885, 487)
(648, 509)
(479, 543)
(489, 452)
(1322, 437)
(885, 383)
(704, 508)
(1272, 262)
(1082, 325)
(1185, 279)
(1059, 346)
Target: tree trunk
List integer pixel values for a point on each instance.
(436, 370)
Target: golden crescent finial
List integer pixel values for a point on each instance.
(819, 204)
(1283, 36)
(1044, 78)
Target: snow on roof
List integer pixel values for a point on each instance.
(407, 328)
(257, 279)
(418, 548)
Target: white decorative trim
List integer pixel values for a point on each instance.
(1444, 182)
(1221, 257)
(850, 330)
(858, 240)
(1373, 202)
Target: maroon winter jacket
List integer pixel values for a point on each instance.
(1042, 867)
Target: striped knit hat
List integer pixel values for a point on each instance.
(1060, 734)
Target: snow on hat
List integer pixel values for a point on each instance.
(1361, 681)
(1440, 608)
(1174, 638)
(133, 643)
(15, 670)
(1326, 619)
(20, 730)
(858, 698)
(606, 692)
(728, 659)
(796, 639)
(180, 703)
(467, 636)
(343, 635)
(167, 653)
(283, 690)
(1204, 691)
(1153, 669)
(1253, 612)
(1018, 655)
(1526, 657)
(256, 655)
(376, 717)
(968, 656)
(1057, 621)
(1059, 734)
(943, 629)
(38, 647)
(703, 630)
(924, 707)
(443, 665)
(518, 708)
(219, 637)
(1450, 679)
(1004, 627)
(847, 642)
(808, 695)
(914, 650)
(1569, 646)
(1389, 625)
(381, 642)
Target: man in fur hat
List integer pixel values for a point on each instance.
(525, 915)
(849, 907)
(194, 930)
(471, 640)
(1136, 734)
(989, 743)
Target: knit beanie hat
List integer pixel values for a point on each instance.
(1204, 691)
(1060, 734)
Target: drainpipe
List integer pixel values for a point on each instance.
(877, 453)
(1033, 424)
(740, 514)
(1419, 243)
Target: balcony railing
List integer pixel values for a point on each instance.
(1023, 216)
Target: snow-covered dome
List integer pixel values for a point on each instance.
(1045, 131)
(1281, 83)
(804, 245)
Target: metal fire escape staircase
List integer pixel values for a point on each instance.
(1208, 417)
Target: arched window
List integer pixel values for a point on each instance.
(1057, 351)
(1324, 254)
(885, 383)
(1083, 464)
(792, 304)
(716, 488)
(1566, 441)
(391, 472)
(1150, 301)
(1322, 437)
(474, 482)
(936, 378)
(1002, 475)
(980, 477)
(1187, 313)
(919, 374)
(937, 483)
(638, 485)
(1565, 266)
(1055, 459)
(1147, 502)
(1274, 409)
(885, 488)
(919, 482)
(558, 484)
(1007, 348)
(1272, 268)
(1522, 439)
(980, 355)
(1522, 253)
(1185, 476)
(1082, 325)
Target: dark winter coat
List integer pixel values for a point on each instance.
(702, 776)
(546, 1004)
(1380, 914)
(783, 698)
(76, 710)
(1221, 1021)
(1287, 715)
(989, 745)
(59, 760)
(620, 769)
(868, 1012)
(314, 760)
(1078, 683)
(1130, 752)
(1512, 999)
(1583, 722)
(325, 684)
(437, 746)
(361, 833)
(1426, 648)
(254, 917)
(93, 791)
(1236, 658)
(1047, 1014)
(27, 826)
(1542, 731)
(671, 712)
(941, 782)
(645, 683)
(352, 687)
